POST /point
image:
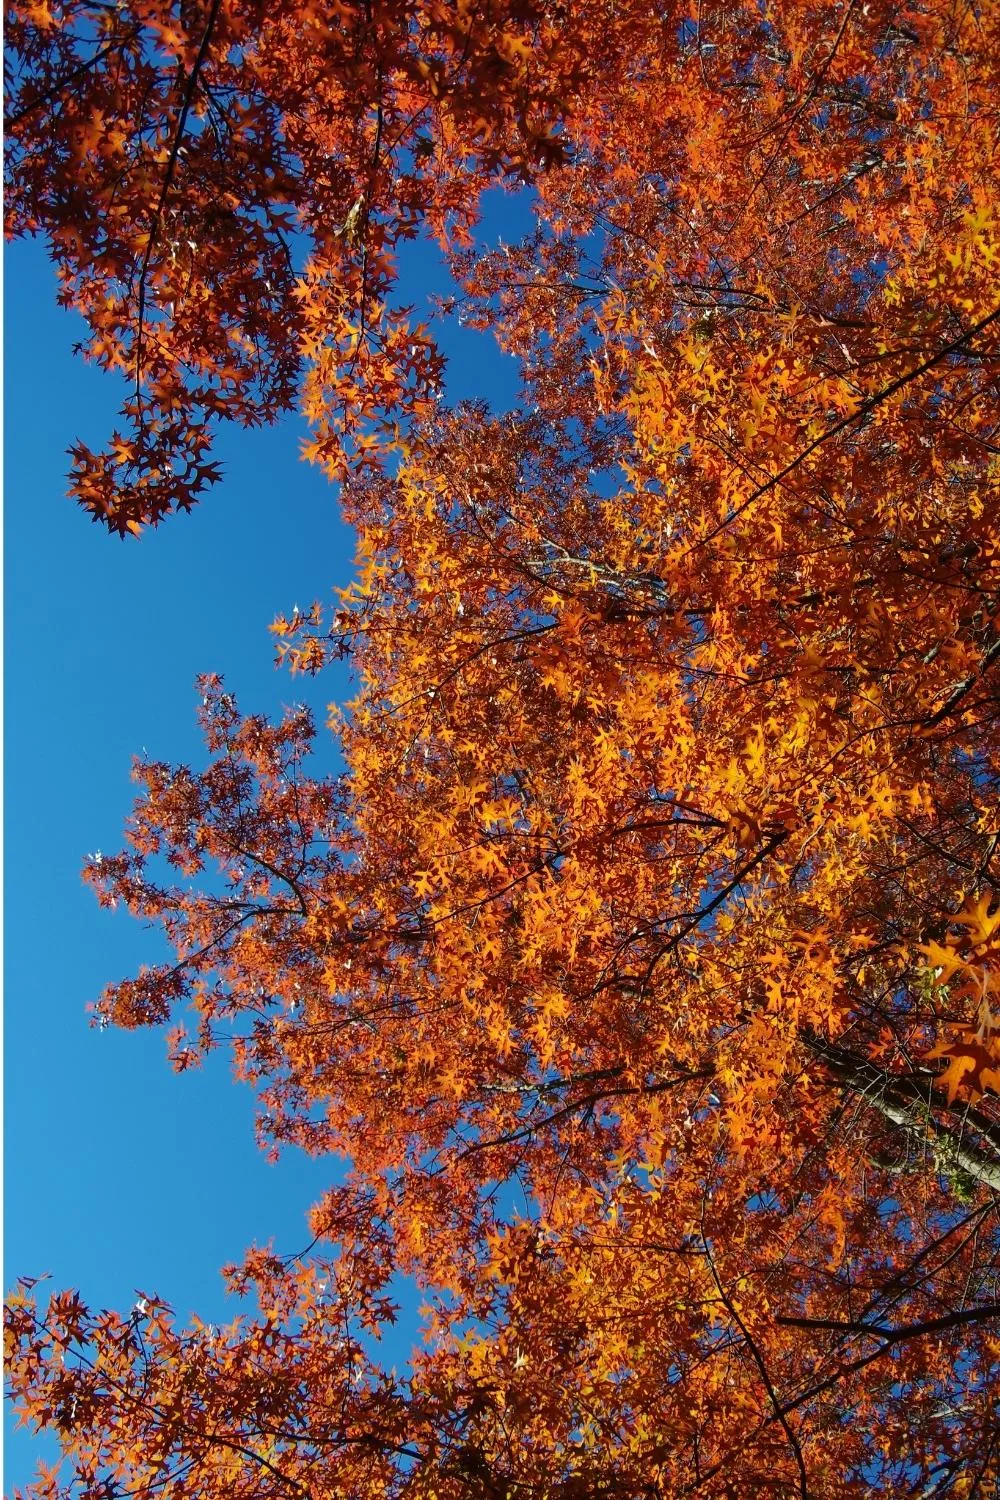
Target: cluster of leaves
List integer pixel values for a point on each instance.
(222, 186)
(620, 960)
(968, 968)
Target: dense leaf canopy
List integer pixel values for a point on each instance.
(640, 960)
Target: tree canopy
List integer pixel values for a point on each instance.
(640, 961)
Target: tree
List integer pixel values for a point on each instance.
(623, 960)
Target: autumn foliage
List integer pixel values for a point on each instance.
(642, 961)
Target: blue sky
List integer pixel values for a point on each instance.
(121, 1176)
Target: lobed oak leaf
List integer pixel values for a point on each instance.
(980, 922)
(973, 1065)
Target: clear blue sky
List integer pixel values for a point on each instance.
(119, 1174)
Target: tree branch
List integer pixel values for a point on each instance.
(895, 1097)
(905, 1331)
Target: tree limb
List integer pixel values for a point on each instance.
(912, 1105)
